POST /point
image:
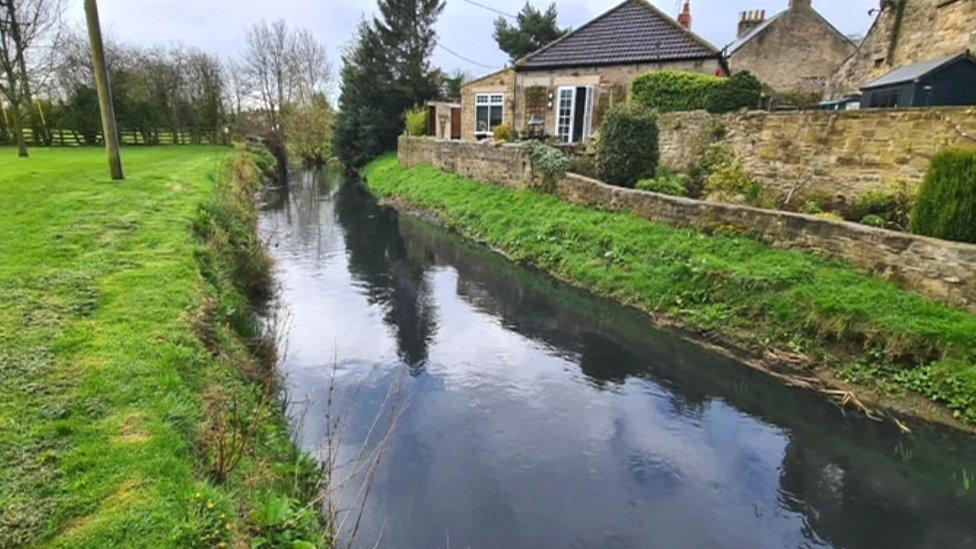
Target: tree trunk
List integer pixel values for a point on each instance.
(19, 131)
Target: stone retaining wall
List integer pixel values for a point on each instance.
(939, 269)
(501, 164)
(840, 155)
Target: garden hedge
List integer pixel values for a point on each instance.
(946, 204)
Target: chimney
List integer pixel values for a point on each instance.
(749, 20)
(801, 4)
(685, 18)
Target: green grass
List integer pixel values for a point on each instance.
(105, 382)
(855, 327)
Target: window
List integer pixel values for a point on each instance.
(564, 118)
(490, 109)
(574, 114)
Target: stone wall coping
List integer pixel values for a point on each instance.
(856, 228)
(857, 113)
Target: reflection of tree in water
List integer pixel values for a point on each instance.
(378, 258)
(844, 474)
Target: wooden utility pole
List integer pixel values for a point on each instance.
(109, 129)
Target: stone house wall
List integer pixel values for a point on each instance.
(797, 52)
(927, 29)
(840, 154)
(939, 269)
(531, 94)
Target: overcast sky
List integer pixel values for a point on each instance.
(219, 26)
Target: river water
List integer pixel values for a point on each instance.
(531, 414)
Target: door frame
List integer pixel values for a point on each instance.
(587, 113)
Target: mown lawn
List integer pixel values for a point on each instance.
(102, 371)
(850, 326)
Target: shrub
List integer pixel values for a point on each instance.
(742, 91)
(583, 164)
(628, 147)
(946, 205)
(665, 185)
(504, 132)
(417, 120)
(711, 159)
(874, 221)
(549, 163)
(674, 90)
(731, 183)
(892, 203)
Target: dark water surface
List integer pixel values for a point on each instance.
(540, 416)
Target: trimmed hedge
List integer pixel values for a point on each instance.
(671, 91)
(627, 151)
(946, 204)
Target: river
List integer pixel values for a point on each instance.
(532, 414)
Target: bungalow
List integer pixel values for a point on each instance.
(565, 89)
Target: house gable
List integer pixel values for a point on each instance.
(633, 32)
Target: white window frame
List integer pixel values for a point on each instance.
(587, 114)
(492, 100)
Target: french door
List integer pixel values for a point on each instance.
(573, 114)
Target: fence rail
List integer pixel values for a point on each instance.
(71, 138)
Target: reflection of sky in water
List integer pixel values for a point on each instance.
(531, 425)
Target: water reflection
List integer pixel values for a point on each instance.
(543, 417)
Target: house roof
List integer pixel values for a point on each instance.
(759, 29)
(756, 31)
(632, 32)
(912, 72)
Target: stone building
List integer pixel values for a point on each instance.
(796, 50)
(565, 88)
(907, 32)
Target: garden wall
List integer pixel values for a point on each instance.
(835, 154)
(503, 164)
(939, 269)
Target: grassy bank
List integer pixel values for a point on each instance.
(136, 404)
(808, 315)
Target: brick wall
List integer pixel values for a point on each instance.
(939, 269)
(840, 154)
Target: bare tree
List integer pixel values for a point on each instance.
(286, 67)
(24, 25)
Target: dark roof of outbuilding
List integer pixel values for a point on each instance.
(912, 72)
(633, 32)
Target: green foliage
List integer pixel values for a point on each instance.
(800, 100)
(946, 205)
(583, 164)
(532, 30)
(310, 131)
(892, 204)
(667, 182)
(688, 91)
(284, 522)
(756, 295)
(130, 323)
(668, 91)
(713, 157)
(873, 220)
(385, 72)
(628, 148)
(417, 120)
(503, 133)
(731, 183)
(741, 91)
(549, 163)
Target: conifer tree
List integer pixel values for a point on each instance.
(533, 29)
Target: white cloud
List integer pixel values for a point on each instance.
(219, 26)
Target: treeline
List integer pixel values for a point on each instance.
(386, 71)
(278, 88)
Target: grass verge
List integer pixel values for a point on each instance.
(136, 402)
(816, 315)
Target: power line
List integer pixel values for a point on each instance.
(463, 58)
(489, 8)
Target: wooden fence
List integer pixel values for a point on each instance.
(71, 138)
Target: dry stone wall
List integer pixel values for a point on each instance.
(842, 154)
(941, 270)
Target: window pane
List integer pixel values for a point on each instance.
(482, 119)
(497, 115)
(497, 99)
(481, 99)
(565, 115)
